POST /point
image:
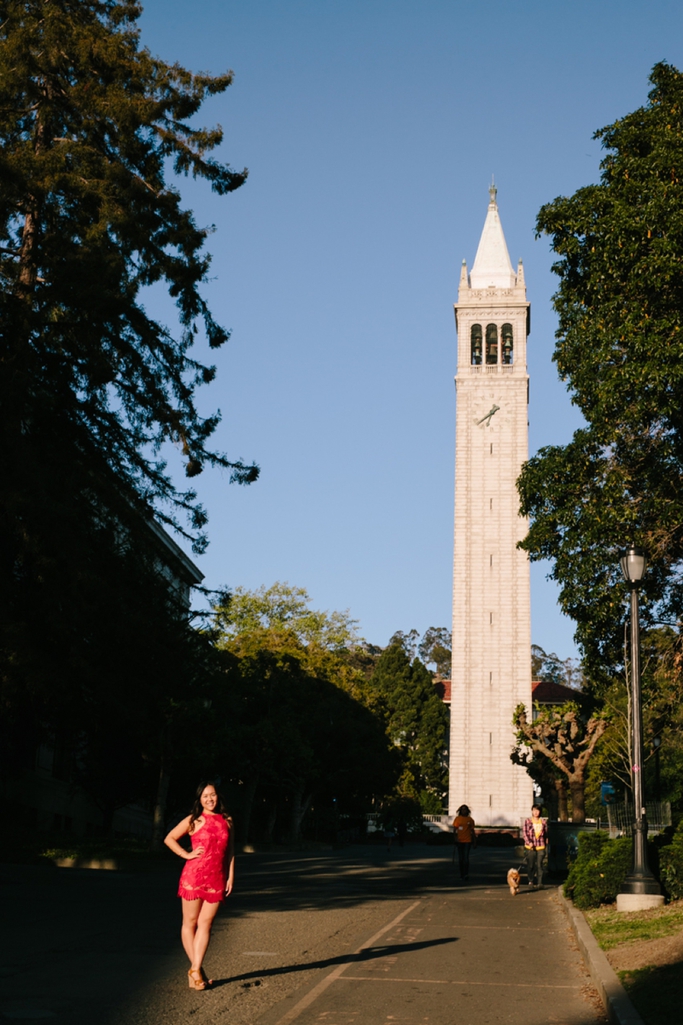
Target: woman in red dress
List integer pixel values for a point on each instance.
(208, 875)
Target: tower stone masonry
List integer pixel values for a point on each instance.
(491, 669)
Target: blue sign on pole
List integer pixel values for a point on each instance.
(607, 793)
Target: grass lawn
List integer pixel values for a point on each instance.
(611, 927)
(37, 849)
(655, 988)
(655, 992)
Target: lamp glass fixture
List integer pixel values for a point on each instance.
(633, 565)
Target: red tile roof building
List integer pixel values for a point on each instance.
(547, 693)
(443, 689)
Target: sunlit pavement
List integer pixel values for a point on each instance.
(352, 937)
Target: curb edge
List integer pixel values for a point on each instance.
(619, 1008)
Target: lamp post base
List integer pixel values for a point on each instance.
(639, 901)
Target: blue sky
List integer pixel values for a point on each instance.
(371, 129)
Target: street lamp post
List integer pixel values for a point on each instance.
(640, 888)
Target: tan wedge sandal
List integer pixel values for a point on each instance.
(195, 978)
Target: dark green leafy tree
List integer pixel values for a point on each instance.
(298, 735)
(417, 723)
(662, 690)
(284, 607)
(620, 350)
(327, 642)
(304, 723)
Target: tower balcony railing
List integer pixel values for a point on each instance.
(505, 368)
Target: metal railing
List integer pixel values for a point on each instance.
(621, 818)
(437, 823)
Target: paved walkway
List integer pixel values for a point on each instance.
(468, 955)
(354, 937)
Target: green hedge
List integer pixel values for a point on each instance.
(671, 865)
(601, 865)
(599, 870)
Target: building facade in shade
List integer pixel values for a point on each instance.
(491, 670)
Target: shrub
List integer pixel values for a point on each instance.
(597, 874)
(671, 865)
(601, 865)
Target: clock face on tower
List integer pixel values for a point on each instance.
(491, 411)
(486, 419)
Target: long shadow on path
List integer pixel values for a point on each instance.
(368, 954)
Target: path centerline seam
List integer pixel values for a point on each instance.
(503, 928)
(458, 982)
(337, 972)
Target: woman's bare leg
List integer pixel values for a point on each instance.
(203, 932)
(191, 909)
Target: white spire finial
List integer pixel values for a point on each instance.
(493, 191)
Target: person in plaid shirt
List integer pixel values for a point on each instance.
(535, 843)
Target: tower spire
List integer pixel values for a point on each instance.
(492, 267)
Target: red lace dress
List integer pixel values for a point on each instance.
(205, 877)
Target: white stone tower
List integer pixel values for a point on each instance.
(491, 671)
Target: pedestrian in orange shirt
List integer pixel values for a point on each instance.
(465, 839)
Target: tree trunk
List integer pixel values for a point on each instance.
(550, 799)
(270, 823)
(247, 806)
(159, 818)
(29, 242)
(298, 810)
(562, 813)
(29, 237)
(578, 802)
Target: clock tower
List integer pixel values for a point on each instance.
(491, 670)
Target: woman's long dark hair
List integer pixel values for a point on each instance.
(198, 811)
(462, 810)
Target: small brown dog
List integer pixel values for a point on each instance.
(513, 881)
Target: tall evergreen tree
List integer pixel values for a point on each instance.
(90, 124)
(417, 721)
(93, 129)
